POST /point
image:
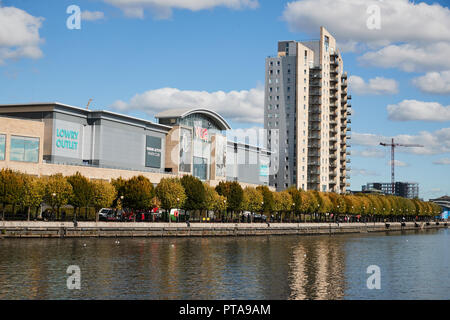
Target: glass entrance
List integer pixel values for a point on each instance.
(201, 168)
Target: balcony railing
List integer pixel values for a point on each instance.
(314, 128)
(315, 92)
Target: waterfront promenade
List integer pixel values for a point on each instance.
(38, 229)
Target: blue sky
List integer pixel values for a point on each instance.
(139, 59)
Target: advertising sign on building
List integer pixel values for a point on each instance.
(221, 154)
(185, 150)
(201, 133)
(153, 152)
(67, 139)
(264, 170)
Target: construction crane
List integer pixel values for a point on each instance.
(393, 146)
(89, 102)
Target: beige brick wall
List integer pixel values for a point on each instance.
(25, 128)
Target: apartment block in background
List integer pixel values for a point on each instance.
(306, 114)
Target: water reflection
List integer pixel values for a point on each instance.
(316, 267)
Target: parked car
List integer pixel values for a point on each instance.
(104, 213)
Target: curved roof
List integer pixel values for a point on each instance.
(182, 113)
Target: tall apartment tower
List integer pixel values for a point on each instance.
(306, 115)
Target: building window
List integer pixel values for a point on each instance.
(24, 149)
(278, 62)
(271, 63)
(270, 89)
(2, 146)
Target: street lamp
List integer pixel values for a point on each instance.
(53, 201)
(225, 204)
(178, 207)
(293, 206)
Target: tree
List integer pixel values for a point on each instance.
(170, 193)
(214, 201)
(83, 192)
(296, 196)
(138, 193)
(267, 199)
(11, 188)
(34, 194)
(195, 193)
(286, 202)
(57, 192)
(119, 184)
(234, 194)
(103, 195)
(252, 201)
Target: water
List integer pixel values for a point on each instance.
(414, 265)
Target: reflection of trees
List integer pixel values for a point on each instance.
(317, 269)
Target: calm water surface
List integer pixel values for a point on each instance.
(414, 265)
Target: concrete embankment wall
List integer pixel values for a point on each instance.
(38, 229)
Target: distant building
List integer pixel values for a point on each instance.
(42, 139)
(444, 203)
(408, 190)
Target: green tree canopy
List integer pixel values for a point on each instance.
(252, 200)
(83, 191)
(104, 194)
(195, 193)
(138, 193)
(170, 193)
(269, 203)
(57, 192)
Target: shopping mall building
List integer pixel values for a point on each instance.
(46, 138)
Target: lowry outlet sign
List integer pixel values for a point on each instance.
(67, 139)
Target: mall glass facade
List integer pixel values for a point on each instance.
(2, 146)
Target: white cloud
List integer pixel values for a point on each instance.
(410, 57)
(437, 142)
(162, 9)
(369, 153)
(434, 82)
(19, 34)
(245, 106)
(401, 20)
(376, 86)
(398, 163)
(410, 110)
(443, 161)
(92, 15)
(364, 172)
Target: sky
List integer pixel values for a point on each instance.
(140, 57)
